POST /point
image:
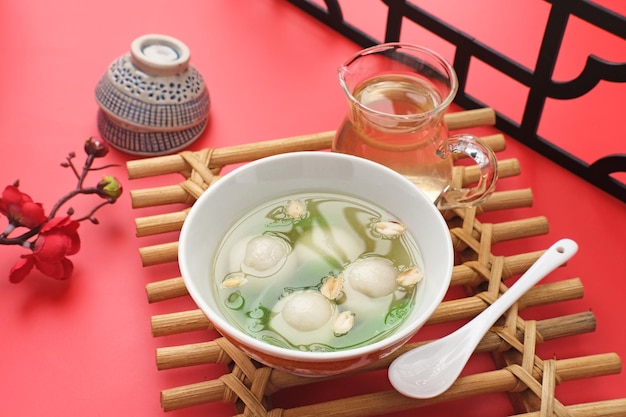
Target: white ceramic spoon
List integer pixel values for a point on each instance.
(431, 369)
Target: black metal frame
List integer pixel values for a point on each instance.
(539, 81)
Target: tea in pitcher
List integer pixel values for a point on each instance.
(398, 95)
(396, 123)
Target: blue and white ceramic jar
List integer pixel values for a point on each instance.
(152, 101)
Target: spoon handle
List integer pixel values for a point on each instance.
(555, 256)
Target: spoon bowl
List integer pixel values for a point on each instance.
(431, 369)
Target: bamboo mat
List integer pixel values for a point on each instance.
(480, 276)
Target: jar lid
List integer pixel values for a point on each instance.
(159, 54)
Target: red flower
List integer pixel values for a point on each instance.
(57, 240)
(20, 208)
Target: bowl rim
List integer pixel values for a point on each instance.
(393, 341)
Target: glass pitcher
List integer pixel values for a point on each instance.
(398, 95)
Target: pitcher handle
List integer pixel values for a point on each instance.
(485, 159)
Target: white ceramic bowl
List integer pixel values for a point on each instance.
(246, 187)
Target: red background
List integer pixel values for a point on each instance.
(84, 347)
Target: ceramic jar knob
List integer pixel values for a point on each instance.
(152, 101)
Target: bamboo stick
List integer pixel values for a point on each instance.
(472, 385)
(166, 289)
(506, 231)
(550, 329)
(470, 118)
(192, 394)
(170, 164)
(461, 275)
(158, 196)
(160, 223)
(569, 289)
(468, 307)
(608, 408)
(496, 143)
(516, 229)
(503, 200)
(175, 194)
(184, 321)
(447, 311)
(159, 254)
(179, 322)
(278, 380)
(464, 274)
(188, 355)
(387, 401)
(506, 168)
(171, 222)
(572, 324)
(210, 352)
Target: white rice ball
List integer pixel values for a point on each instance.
(306, 311)
(264, 255)
(369, 287)
(372, 276)
(304, 317)
(280, 271)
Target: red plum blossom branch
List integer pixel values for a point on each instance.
(51, 238)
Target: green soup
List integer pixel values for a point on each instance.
(317, 272)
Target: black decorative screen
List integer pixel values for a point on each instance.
(539, 81)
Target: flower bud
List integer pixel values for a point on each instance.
(110, 187)
(96, 147)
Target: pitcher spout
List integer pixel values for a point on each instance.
(344, 75)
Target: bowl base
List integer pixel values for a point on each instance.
(147, 143)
